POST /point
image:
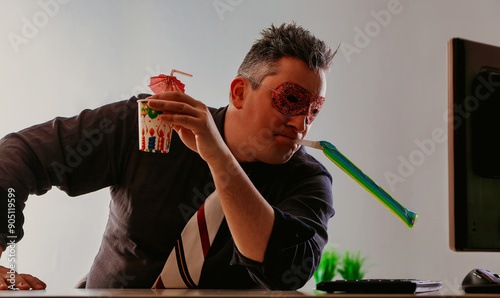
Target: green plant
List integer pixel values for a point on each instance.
(351, 267)
(328, 265)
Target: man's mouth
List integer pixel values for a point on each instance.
(287, 138)
(291, 135)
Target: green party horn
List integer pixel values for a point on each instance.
(350, 169)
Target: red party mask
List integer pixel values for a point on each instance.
(291, 99)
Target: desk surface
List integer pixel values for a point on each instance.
(127, 293)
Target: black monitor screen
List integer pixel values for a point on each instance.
(474, 145)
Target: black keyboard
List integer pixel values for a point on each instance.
(386, 286)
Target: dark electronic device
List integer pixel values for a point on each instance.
(481, 281)
(474, 156)
(380, 286)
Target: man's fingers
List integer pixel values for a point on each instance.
(14, 283)
(3, 284)
(9, 279)
(175, 96)
(173, 107)
(22, 282)
(184, 121)
(33, 282)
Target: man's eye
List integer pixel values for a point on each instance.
(292, 99)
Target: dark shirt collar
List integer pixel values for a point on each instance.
(219, 119)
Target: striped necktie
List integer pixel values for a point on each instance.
(184, 264)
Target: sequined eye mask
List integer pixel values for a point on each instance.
(292, 100)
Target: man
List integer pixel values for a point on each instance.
(275, 197)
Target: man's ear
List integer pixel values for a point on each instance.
(238, 92)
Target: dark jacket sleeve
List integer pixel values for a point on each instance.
(298, 236)
(72, 154)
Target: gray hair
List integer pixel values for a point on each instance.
(286, 40)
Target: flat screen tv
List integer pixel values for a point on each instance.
(474, 145)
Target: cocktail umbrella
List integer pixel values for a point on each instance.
(163, 83)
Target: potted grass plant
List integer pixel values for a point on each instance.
(352, 266)
(349, 265)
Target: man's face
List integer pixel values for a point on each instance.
(266, 133)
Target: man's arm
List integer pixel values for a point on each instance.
(250, 218)
(301, 197)
(70, 153)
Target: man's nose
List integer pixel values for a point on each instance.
(298, 123)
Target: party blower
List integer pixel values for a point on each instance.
(347, 166)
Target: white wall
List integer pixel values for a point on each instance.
(386, 96)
